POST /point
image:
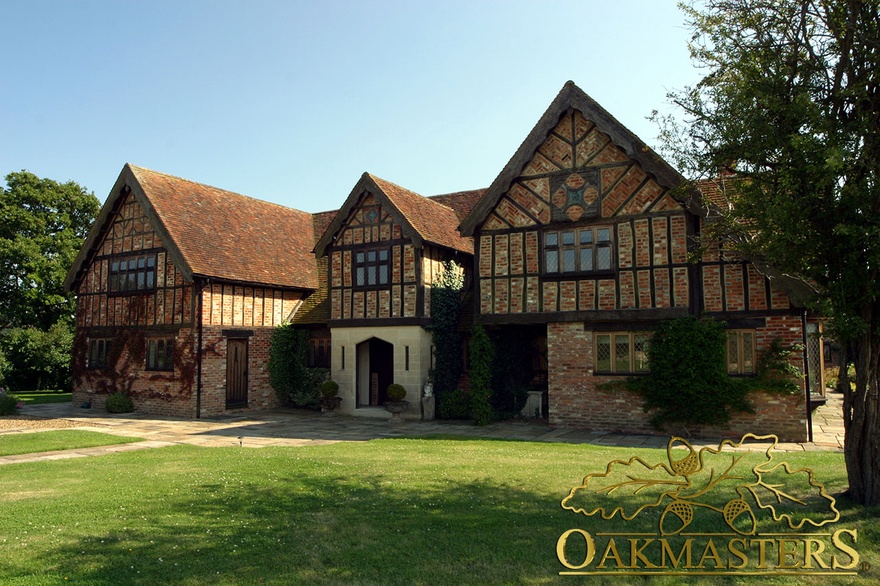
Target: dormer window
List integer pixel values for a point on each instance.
(372, 267)
(132, 274)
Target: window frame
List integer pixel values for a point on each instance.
(319, 353)
(740, 368)
(583, 250)
(160, 354)
(99, 353)
(139, 275)
(637, 359)
(361, 263)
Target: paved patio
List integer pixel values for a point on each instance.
(288, 427)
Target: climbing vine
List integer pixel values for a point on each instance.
(445, 309)
(289, 374)
(688, 381)
(482, 354)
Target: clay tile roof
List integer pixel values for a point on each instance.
(433, 221)
(226, 235)
(462, 202)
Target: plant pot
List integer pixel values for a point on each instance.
(396, 408)
(329, 404)
(428, 408)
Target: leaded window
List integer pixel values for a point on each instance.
(160, 354)
(621, 352)
(99, 352)
(132, 274)
(372, 267)
(583, 250)
(741, 352)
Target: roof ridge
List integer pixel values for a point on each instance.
(214, 187)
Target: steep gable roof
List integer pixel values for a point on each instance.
(570, 97)
(422, 219)
(214, 233)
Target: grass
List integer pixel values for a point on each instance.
(49, 441)
(391, 511)
(39, 397)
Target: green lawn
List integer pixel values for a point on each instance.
(393, 511)
(48, 441)
(38, 397)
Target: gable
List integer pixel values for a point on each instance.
(577, 174)
(420, 219)
(578, 163)
(212, 233)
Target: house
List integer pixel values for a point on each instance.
(178, 291)
(580, 245)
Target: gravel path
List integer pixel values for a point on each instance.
(27, 422)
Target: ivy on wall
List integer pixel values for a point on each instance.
(445, 309)
(289, 374)
(482, 354)
(688, 381)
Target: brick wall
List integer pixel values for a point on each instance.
(575, 401)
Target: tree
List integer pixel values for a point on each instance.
(785, 121)
(42, 226)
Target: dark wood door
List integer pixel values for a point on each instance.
(236, 373)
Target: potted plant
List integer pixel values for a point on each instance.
(329, 397)
(396, 403)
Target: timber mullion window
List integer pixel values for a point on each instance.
(160, 354)
(584, 250)
(132, 274)
(372, 267)
(741, 352)
(99, 352)
(621, 353)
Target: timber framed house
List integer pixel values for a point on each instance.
(580, 244)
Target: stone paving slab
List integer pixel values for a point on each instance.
(286, 427)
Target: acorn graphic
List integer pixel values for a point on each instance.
(676, 516)
(687, 465)
(739, 516)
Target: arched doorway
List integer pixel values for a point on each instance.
(375, 371)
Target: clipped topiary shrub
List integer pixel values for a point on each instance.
(482, 353)
(329, 388)
(396, 392)
(119, 403)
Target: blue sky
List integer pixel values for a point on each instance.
(290, 101)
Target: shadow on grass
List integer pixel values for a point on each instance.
(325, 516)
(334, 530)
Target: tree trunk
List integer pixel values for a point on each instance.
(861, 418)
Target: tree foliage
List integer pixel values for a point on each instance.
(789, 105)
(42, 226)
(37, 359)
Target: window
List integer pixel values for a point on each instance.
(623, 352)
(585, 250)
(740, 352)
(319, 353)
(99, 352)
(372, 267)
(136, 273)
(160, 354)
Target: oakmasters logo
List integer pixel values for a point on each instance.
(700, 513)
